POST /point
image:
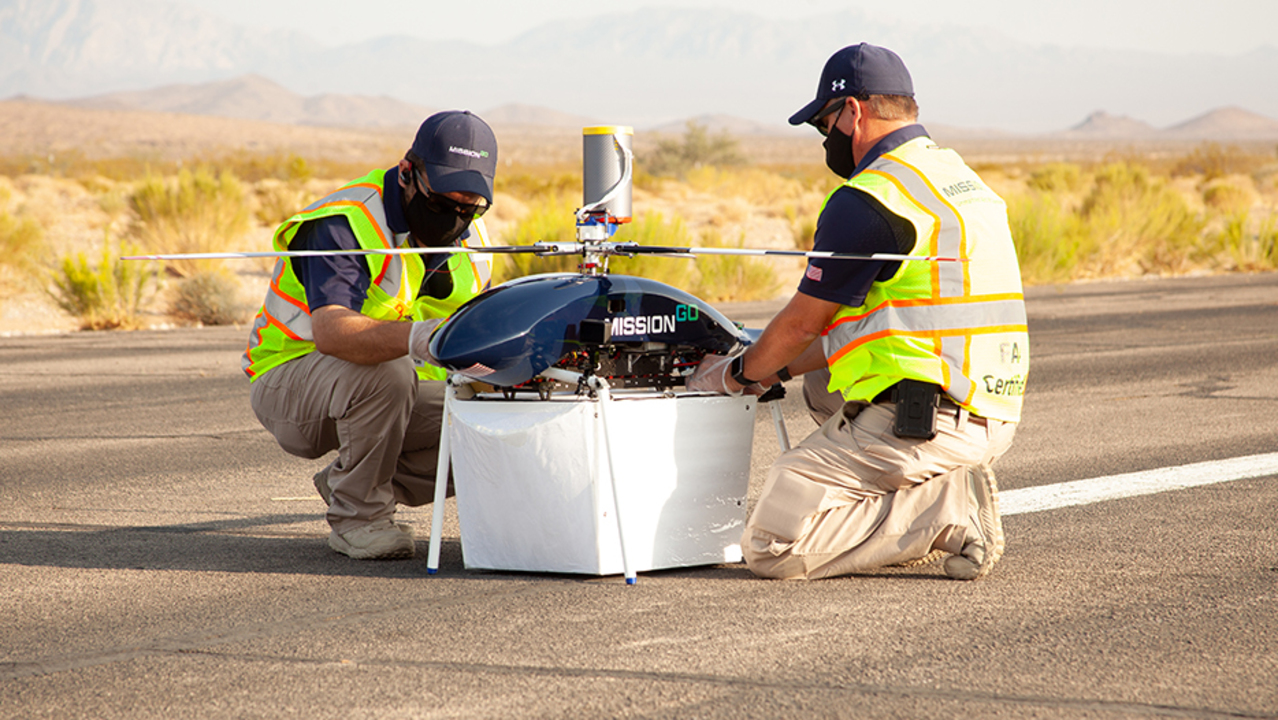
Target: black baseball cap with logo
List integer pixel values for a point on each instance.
(857, 71)
(458, 152)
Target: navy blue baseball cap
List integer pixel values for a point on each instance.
(459, 153)
(858, 70)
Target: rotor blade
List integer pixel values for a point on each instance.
(631, 248)
(496, 249)
(552, 248)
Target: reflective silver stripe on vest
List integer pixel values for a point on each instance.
(950, 234)
(953, 317)
(392, 278)
(362, 195)
(372, 201)
(297, 320)
(953, 322)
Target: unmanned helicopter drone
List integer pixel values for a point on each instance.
(632, 331)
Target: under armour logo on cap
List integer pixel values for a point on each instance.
(860, 71)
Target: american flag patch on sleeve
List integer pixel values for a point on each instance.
(813, 273)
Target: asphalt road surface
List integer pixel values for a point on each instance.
(160, 557)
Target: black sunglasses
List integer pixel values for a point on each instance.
(440, 203)
(826, 112)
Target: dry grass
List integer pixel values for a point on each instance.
(1125, 219)
(106, 295)
(209, 298)
(177, 183)
(195, 212)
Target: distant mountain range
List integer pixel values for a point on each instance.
(252, 97)
(644, 68)
(1222, 124)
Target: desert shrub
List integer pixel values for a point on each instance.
(1227, 197)
(1241, 243)
(802, 227)
(1057, 177)
(1126, 222)
(247, 165)
(814, 178)
(208, 298)
(655, 229)
(130, 168)
(715, 278)
(113, 201)
(277, 201)
(645, 181)
(252, 166)
(738, 278)
(1264, 247)
(697, 147)
(20, 240)
(104, 297)
(527, 184)
(1212, 160)
(761, 188)
(550, 218)
(195, 212)
(1049, 239)
(1137, 221)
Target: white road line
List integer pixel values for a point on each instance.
(1085, 492)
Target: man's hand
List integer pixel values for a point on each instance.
(712, 376)
(419, 342)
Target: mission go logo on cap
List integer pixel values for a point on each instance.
(468, 152)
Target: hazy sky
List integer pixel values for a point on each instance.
(1176, 26)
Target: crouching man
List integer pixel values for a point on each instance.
(917, 368)
(338, 355)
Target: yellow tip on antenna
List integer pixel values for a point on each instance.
(608, 130)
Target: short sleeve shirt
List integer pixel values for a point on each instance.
(344, 279)
(853, 222)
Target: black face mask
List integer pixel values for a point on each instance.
(838, 153)
(431, 228)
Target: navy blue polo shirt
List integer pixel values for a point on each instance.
(344, 279)
(854, 222)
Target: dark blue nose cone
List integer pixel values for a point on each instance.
(513, 332)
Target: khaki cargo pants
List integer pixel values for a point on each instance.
(382, 421)
(853, 496)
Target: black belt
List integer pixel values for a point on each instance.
(886, 397)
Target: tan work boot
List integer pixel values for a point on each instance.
(927, 559)
(321, 486)
(983, 541)
(378, 540)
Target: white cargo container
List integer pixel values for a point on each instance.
(534, 491)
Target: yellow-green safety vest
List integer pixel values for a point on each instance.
(282, 329)
(960, 325)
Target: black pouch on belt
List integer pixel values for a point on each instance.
(916, 404)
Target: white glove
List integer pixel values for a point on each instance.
(712, 376)
(419, 342)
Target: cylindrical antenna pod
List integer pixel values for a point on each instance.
(604, 157)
